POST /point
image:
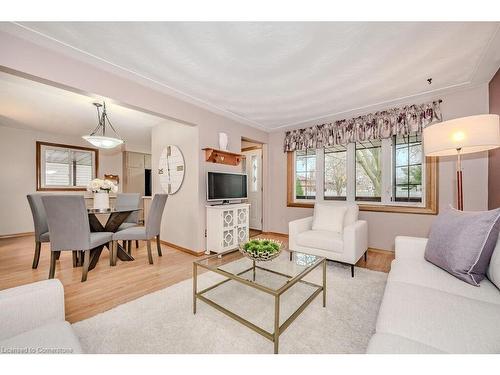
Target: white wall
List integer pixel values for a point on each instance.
(209, 138)
(24, 56)
(18, 171)
(180, 222)
(184, 220)
(46, 64)
(383, 227)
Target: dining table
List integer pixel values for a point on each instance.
(117, 215)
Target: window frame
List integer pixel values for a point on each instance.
(305, 199)
(394, 168)
(428, 206)
(338, 197)
(368, 199)
(39, 160)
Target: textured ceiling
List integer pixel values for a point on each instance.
(278, 74)
(36, 106)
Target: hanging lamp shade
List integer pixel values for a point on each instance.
(103, 142)
(98, 137)
(467, 134)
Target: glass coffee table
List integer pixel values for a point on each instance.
(274, 278)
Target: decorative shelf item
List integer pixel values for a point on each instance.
(223, 141)
(222, 157)
(113, 177)
(261, 250)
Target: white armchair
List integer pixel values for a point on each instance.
(347, 246)
(33, 322)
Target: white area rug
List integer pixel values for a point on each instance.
(163, 322)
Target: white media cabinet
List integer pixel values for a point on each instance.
(227, 226)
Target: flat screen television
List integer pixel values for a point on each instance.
(226, 186)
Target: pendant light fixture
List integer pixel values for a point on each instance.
(98, 137)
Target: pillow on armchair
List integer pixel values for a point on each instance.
(329, 218)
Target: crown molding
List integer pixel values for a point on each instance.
(482, 73)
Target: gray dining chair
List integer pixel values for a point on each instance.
(40, 224)
(129, 200)
(152, 228)
(69, 228)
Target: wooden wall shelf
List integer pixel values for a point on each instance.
(222, 157)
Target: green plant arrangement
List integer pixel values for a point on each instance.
(261, 249)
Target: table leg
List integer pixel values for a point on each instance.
(195, 276)
(112, 224)
(122, 254)
(112, 254)
(94, 256)
(324, 283)
(115, 220)
(85, 270)
(276, 323)
(95, 224)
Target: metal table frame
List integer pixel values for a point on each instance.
(278, 329)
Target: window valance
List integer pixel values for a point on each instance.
(407, 120)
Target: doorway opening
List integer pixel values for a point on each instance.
(253, 167)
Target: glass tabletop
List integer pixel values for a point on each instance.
(272, 274)
(112, 210)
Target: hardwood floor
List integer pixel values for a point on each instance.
(377, 260)
(254, 232)
(107, 287)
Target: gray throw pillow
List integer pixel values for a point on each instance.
(493, 272)
(461, 242)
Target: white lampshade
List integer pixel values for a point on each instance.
(103, 142)
(469, 134)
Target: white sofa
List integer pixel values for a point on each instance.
(346, 247)
(427, 310)
(32, 320)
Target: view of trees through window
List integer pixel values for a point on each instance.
(305, 174)
(336, 173)
(355, 172)
(407, 156)
(369, 171)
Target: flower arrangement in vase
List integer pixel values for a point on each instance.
(101, 190)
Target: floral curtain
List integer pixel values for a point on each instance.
(407, 120)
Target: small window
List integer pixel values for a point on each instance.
(407, 169)
(254, 164)
(305, 174)
(369, 171)
(335, 173)
(64, 167)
